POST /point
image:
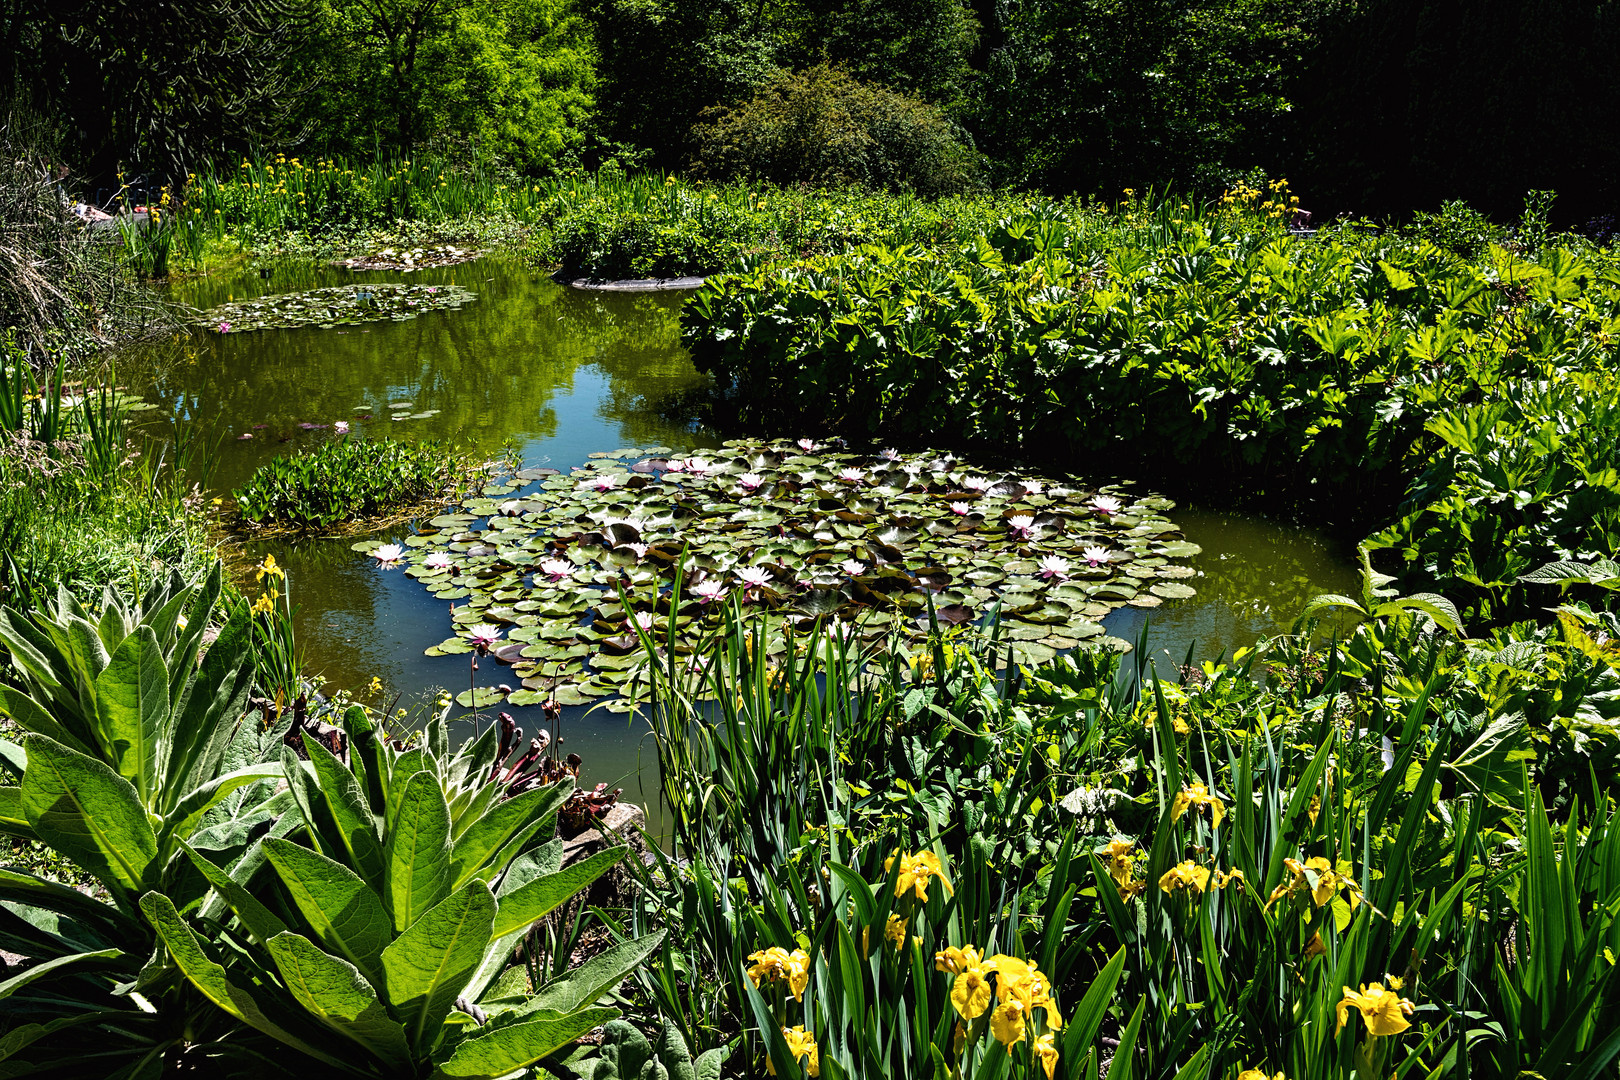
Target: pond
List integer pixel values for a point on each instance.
(557, 374)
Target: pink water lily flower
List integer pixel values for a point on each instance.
(556, 570)
(644, 620)
(749, 481)
(809, 446)
(1096, 556)
(1021, 525)
(388, 554)
(889, 455)
(483, 635)
(604, 482)
(340, 426)
(852, 567)
(1106, 504)
(1054, 567)
(224, 327)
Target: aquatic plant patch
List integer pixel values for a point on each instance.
(343, 305)
(870, 543)
(406, 259)
(347, 479)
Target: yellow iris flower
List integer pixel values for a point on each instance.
(915, 870)
(268, 568)
(776, 963)
(1256, 1074)
(1046, 1053)
(1186, 875)
(1198, 796)
(1318, 879)
(802, 1045)
(1384, 1011)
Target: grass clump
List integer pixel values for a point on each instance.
(347, 480)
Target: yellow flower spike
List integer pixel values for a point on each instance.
(915, 870)
(1046, 1053)
(1186, 875)
(1384, 1011)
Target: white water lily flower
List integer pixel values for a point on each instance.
(644, 620)
(604, 482)
(1106, 504)
(556, 569)
(750, 481)
(755, 577)
(708, 591)
(852, 567)
(961, 507)
(1096, 556)
(697, 466)
(388, 554)
(438, 560)
(1054, 567)
(809, 446)
(340, 426)
(889, 455)
(1032, 487)
(975, 483)
(1021, 526)
(852, 474)
(639, 550)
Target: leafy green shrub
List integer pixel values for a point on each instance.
(823, 126)
(346, 479)
(1458, 228)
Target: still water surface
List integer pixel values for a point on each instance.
(558, 374)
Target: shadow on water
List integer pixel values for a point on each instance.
(557, 374)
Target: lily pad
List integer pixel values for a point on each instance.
(344, 305)
(798, 535)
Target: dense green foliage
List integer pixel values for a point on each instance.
(1263, 838)
(306, 912)
(345, 479)
(824, 127)
(1356, 371)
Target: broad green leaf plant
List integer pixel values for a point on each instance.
(375, 936)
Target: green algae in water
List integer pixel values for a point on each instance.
(343, 305)
(869, 543)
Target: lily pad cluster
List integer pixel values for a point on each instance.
(343, 305)
(406, 259)
(865, 542)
